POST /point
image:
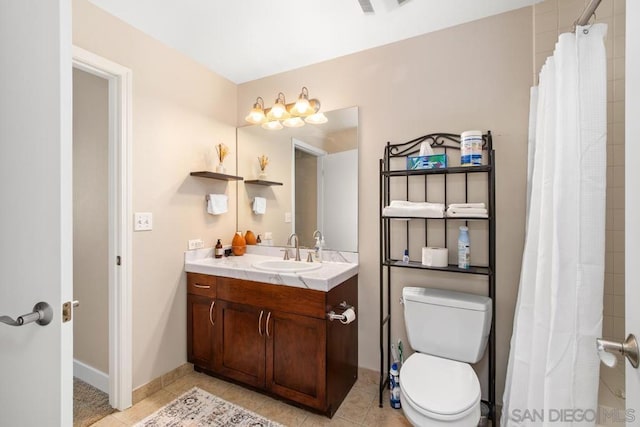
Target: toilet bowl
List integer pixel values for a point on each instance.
(438, 392)
(448, 331)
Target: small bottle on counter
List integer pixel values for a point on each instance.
(219, 251)
(258, 240)
(405, 257)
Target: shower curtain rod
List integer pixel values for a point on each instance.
(587, 13)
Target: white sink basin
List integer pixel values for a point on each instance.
(286, 266)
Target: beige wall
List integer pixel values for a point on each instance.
(476, 75)
(180, 110)
(90, 220)
(553, 17)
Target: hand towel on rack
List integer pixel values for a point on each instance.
(404, 208)
(259, 205)
(468, 205)
(467, 212)
(217, 204)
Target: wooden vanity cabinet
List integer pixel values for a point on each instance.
(240, 343)
(201, 294)
(277, 339)
(296, 358)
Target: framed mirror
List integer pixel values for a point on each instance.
(310, 182)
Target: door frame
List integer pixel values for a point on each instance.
(120, 225)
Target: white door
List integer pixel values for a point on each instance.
(35, 214)
(632, 206)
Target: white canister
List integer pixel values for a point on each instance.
(471, 148)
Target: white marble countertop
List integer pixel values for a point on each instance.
(336, 267)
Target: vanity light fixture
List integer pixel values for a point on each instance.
(256, 115)
(289, 115)
(316, 119)
(279, 109)
(293, 122)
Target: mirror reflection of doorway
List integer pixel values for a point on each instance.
(325, 196)
(308, 192)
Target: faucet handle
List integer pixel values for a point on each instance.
(286, 254)
(310, 256)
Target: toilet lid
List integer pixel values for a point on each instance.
(440, 386)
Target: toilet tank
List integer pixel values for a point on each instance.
(448, 324)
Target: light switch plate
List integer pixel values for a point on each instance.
(196, 244)
(287, 217)
(143, 221)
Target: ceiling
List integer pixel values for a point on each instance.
(245, 40)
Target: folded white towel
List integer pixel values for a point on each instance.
(217, 204)
(468, 205)
(404, 208)
(467, 212)
(259, 205)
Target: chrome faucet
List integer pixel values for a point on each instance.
(289, 242)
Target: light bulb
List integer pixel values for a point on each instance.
(255, 116)
(302, 105)
(293, 122)
(272, 125)
(316, 119)
(278, 111)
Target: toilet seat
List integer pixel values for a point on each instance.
(439, 388)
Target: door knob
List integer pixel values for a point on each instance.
(628, 348)
(42, 314)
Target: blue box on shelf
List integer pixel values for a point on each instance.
(434, 161)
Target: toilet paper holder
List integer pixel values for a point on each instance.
(628, 348)
(341, 317)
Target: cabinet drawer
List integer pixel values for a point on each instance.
(201, 284)
(288, 299)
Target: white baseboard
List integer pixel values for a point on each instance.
(91, 375)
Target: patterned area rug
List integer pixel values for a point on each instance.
(89, 404)
(196, 407)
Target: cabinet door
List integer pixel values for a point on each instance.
(240, 352)
(296, 358)
(200, 329)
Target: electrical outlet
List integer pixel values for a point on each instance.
(143, 221)
(287, 217)
(196, 244)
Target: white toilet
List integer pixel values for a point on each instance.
(448, 330)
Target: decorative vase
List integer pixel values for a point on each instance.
(263, 175)
(250, 238)
(238, 244)
(220, 168)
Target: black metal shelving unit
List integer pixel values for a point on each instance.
(448, 144)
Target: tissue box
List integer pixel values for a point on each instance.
(434, 161)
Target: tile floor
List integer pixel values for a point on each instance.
(360, 407)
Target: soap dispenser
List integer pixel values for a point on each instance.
(317, 252)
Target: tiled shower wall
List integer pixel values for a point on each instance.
(551, 18)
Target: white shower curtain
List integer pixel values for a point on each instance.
(552, 377)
